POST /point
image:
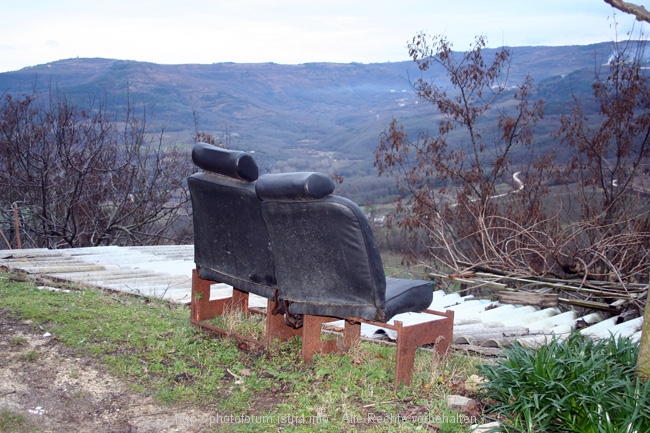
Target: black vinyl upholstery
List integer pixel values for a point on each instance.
(231, 242)
(326, 258)
(230, 163)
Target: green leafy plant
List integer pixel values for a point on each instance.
(575, 385)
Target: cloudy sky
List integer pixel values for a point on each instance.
(285, 31)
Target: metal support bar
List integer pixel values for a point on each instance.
(438, 332)
(202, 308)
(409, 337)
(311, 337)
(276, 326)
(351, 334)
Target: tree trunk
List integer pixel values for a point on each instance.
(644, 346)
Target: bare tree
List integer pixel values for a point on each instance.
(88, 177)
(452, 182)
(643, 361)
(610, 149)
(451, 179)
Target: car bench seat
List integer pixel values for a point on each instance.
(231, 242)
(328, 267)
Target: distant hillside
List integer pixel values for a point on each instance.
(316, 116)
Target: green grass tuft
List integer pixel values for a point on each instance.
(12, 422)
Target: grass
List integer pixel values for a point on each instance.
(237, 322)
(576, 385)
(12, 422)
(31, 356)
(151, 345)
(17, 341)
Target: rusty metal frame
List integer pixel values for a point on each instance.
(437, 332)
(203, 309)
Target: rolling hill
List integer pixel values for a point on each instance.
(316, 116)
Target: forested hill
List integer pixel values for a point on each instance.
(316, 116)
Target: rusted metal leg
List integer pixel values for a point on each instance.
(445, 330)
(438, 332)
(276, 327)
(202, 308)
(311, 337)
(200, 302)
(239, 301)
(351, 334)
(406, 346)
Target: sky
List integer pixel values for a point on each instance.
(34, 32)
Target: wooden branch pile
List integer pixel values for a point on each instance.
(603, 296)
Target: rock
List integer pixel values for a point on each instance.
(474, 382)
(492, 427)
(464, 405)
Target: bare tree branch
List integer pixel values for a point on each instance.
(640, 12)
(452, 182)
(89, 177)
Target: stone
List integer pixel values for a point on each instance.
(492, 427)
(464, 405)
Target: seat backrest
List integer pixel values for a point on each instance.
(231, 242)
(326, 258)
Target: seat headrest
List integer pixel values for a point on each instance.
(299, 186)
(231, 163)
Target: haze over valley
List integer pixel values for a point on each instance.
(317, 116)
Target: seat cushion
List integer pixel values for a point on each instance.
(404, 296)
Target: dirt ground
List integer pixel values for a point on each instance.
(55, 391)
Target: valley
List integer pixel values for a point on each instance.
(318, 116)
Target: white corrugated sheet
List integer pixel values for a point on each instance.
(166, 272)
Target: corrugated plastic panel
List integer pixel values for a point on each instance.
(165, 271)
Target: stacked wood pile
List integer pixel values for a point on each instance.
(612, 298)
